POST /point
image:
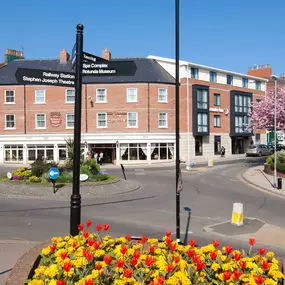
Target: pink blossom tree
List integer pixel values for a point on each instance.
(262, 115)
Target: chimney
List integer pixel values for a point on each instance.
(263, 71)
(12, 54)
(64, 56)
(282, 75)
(106, 54)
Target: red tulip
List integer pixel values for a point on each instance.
(96, 245)
(137, 254)
(90, 242)
(144, 239)
(151, 249)
(98, 266)
(52, 248)
(60, 282)
(196, 258)
(200, 265)
(86, 234)
(190, 252)
(173, 246)
(237, 274)
(258, 279)
(237, 256)
(242, 264)
(169, 268)
(192, 242)
(160, 279)
(120, 263)
(227, 275)
(80, 227)
(265, 265)
(168, 240)
(63, 255)
(88, 223)
(213, 254)
(128, 237)
(261, 251)
(87, 254)
(229, 249)
(89, 282)
(216, 243)
(128, 272)
(106, 227)
(67, 266)
(168, 234)
(149, 261)
(98, 227)
(176, 259)
(251, 241)
(107, 259)
(74, 244)
(124, 249)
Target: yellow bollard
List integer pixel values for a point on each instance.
(237, 215)
(210, 162)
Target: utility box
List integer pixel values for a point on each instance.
(279, 183)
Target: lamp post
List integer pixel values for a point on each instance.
(275, 123)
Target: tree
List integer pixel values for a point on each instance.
(70, 153)
(262, 115)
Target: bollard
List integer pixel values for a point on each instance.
(210, 162)
(237, 215)
(279, 183)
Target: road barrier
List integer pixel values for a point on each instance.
(237, 215)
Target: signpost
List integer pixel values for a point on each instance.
(53, 174)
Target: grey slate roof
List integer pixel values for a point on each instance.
(148, 71)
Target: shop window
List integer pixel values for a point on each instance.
(217, 144)
(198, 146)
(162, 151)
(13, 153)
(44, 152)
(62, 152)
(133, 151)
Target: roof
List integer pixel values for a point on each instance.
(148, 71)
(191, 64)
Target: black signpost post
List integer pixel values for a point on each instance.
(75, 203)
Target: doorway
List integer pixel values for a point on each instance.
(238, 146)
(198, 146)
(109, 151)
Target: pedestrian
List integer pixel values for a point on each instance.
(88, 155)
(101, 155)
(223, 151)
(96, 157)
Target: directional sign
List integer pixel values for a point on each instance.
(109, 68)
(53, 173)
(45, 77)
(88, 57)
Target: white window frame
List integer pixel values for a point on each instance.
(166, 96)
(5, 97)
(137, 119)
(36, 96)
(136, 99)
(97, 101)
(69, 102)
(13, 128)
(166, 120)
(97, 120)
(40, 128)
(66, 121)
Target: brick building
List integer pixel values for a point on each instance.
(129, 118)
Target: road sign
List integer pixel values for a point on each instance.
(45, 77)
(53, 173)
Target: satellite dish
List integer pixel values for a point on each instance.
(9, 175)
(83, 177)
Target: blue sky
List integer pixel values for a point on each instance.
(232, 34)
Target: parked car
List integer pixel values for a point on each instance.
(259, 150)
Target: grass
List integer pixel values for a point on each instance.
(3, 178)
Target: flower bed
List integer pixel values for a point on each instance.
(91, 259)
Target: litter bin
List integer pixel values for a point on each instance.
(279, 183)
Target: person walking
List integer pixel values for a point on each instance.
(96, 156)
(101, 155)
(223, 151)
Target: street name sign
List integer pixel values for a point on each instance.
(45, 77)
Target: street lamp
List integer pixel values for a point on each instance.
(275, 141)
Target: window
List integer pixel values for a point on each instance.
(162, 120)
(70, 120)
(213, 76)
(13, 153)
(258, 85)
(133, 151)
(10, 122)
(40, 96)
(9, 97)
(40, 121)
(101, 120)
(162, 151)
(202, 99)
(162, 95)
(217, 100)
(101, 95)
(40, 152)
(257, 139)
(257, 101)
(202, 122)
(70, 96)
(132, 95)
(217, 121)
(242, 124)
(62, 152)
(242, 104)
(194, 73)
(245, 83)
(132, 120)
(230, 79)
(217, 144)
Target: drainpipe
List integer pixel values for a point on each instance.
(25, 111)
(148, 114)
(188, 111)
(86, 121)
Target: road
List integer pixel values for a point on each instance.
(208, 192)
